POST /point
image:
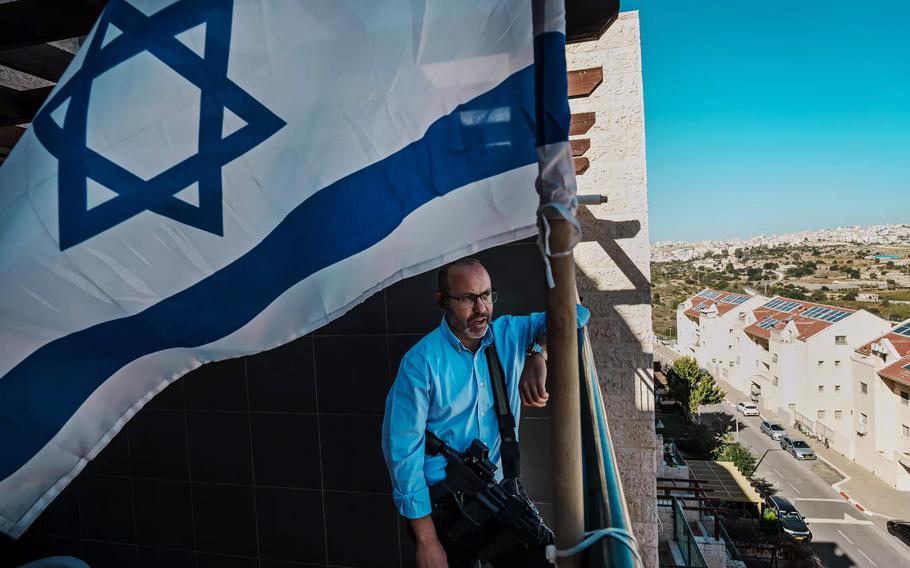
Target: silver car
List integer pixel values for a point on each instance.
(773, 429)
(799, 448)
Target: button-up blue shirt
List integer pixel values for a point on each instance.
(445, 388)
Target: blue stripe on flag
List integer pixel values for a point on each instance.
(552, 83)
(41, 393)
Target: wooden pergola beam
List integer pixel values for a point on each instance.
(44, 60)
(580, 146)
(581, 165)
(33, 22)
(581, 122)
(583, 81)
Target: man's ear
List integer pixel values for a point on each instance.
(440, 299)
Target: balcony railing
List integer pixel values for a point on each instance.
(605, 503)
(684, 539)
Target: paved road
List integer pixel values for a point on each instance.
(842, 536)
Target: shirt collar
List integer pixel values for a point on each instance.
(457, 344)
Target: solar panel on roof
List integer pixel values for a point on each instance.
(829, 315)
(788, 306)
(773, 303)
(768, 323)
(735, 299)
(903, 330)
(906, 367)
(812, 312)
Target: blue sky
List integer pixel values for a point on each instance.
(769, 117)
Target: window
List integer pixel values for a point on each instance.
(840, 339)
(905, 430)
(821, 414)
(837, 363)
(792, 406)
(821, 363)
(730, 330)
(774, 380)
(836, 388)
(838, 414)
(821, 388)
(905, 397)
(863, 419)
(729, 348)
(774, 358)
(731, 364)
(863, 387)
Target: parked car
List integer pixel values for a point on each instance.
(747, 409)
(900, 529)
(773, 429)
(790, 519)
(799, 448)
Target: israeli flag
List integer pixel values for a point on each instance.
(215, 178)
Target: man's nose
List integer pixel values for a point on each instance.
(479, 305)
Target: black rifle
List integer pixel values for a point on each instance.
(501, 510)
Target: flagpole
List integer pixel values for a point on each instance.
(565, 396)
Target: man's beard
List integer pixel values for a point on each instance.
(466, 328)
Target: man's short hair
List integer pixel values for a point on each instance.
(442, 281)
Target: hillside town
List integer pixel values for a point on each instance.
(664, 251)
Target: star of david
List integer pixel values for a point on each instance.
(123, 32)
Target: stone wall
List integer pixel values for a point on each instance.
(614, 262)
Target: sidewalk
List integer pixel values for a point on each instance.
(861, 485)
(864, 487)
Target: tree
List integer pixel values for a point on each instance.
(850, 296)
(704, 391)
(691, 386)
(739, 454)
(730, 268)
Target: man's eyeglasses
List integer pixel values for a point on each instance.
(466, 301)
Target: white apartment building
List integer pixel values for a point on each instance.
(708, 325)
(881, 419)
(797, 355)
(794, 357)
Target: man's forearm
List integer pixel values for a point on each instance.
(424, 530)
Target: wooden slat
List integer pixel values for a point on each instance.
(583, 81)
(580, 146)
(44, 60)
(19, 107)
(581, 123)
(581, 165)
(33, 22)
(9, 135)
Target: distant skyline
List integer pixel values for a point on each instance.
(774, 117)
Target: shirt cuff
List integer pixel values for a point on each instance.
(413, 505)
(583, 315)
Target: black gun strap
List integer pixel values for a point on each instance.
(511, 460)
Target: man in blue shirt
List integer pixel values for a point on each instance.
(443, 385)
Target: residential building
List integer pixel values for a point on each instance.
(881, 419)
(708, 328)
(793, 357)
(796, 358)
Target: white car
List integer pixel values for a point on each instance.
(747, 409)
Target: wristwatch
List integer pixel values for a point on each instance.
(537, 348)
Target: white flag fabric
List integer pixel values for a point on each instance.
(214, 178)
